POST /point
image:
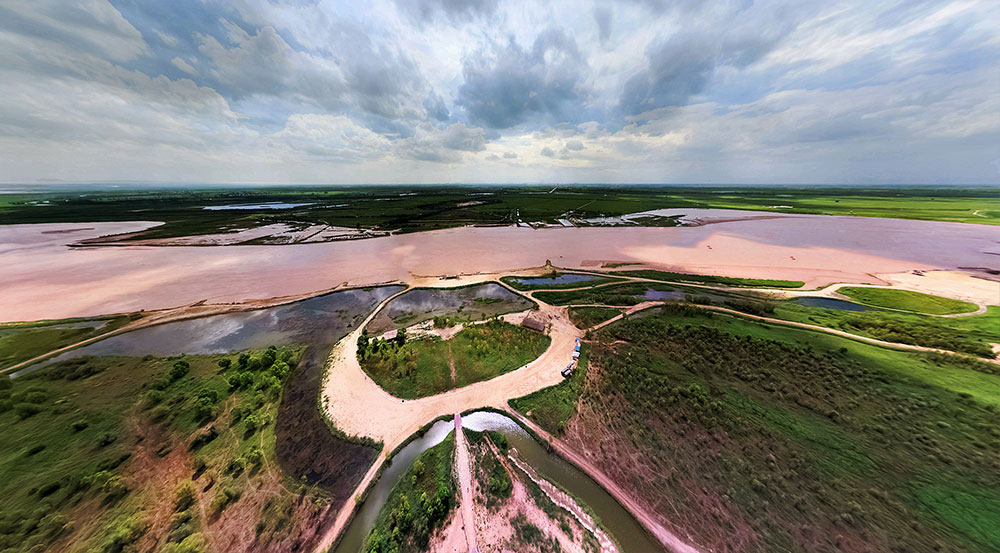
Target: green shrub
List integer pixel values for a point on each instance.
(114, 488)
(224, 497)
(25, 410)
(251, 422)
(255, 456)
(122, 533)
(35, 396)
(179, 370)
(185, 495)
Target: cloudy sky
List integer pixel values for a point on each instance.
(493, 91)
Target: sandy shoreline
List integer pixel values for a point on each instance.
(41, 277)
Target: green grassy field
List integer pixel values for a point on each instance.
(515, 282)
(418, 504)
(906, 300)
(782, 429)
(22, 341)
(97, 448)
(972, 334)
(423, 366)
(552, 407)
(667, 276)
(629, 293)
(586, 317)
(429, 207)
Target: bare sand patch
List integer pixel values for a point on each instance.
(347, 387)
(957, 285)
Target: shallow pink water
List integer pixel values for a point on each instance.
(42, 278)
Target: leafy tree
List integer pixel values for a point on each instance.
(251, 422)
(180, 368)
(225, 363)
(204, 409)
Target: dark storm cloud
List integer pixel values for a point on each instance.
(453, 10)
(683, 65)
(508, 85)
(602, 16)
(436, 108)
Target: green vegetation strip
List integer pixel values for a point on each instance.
(586, 317)
(418, 504)
(972, 335)
(23, 341)
(552, 407)
(798, 429)
(427, 208)
(906, 300)
(667, 276)
(423, 366)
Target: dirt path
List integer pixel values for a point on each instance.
(465, 486)
(807, 326)
(347, 387)
(350, 397)
(628, 311)
(664, 536)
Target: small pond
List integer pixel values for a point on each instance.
(564, 278)
(304, 322)
(830, 303)
(660, 295)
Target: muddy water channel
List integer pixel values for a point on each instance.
(632, 537)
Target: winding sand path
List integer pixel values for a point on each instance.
(360, 407)
(463, 466)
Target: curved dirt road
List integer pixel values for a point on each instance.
(360, 407)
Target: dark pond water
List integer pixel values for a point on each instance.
(470, 302)
(318, 321)
(658, 295)
(830, 303)
(613, 517)
(565, 278)
(364, 518)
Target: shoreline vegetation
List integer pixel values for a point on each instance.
(667, 276)
(906, 300)
(335, 213)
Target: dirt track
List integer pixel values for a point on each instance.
(465, 484)
(359, 407)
